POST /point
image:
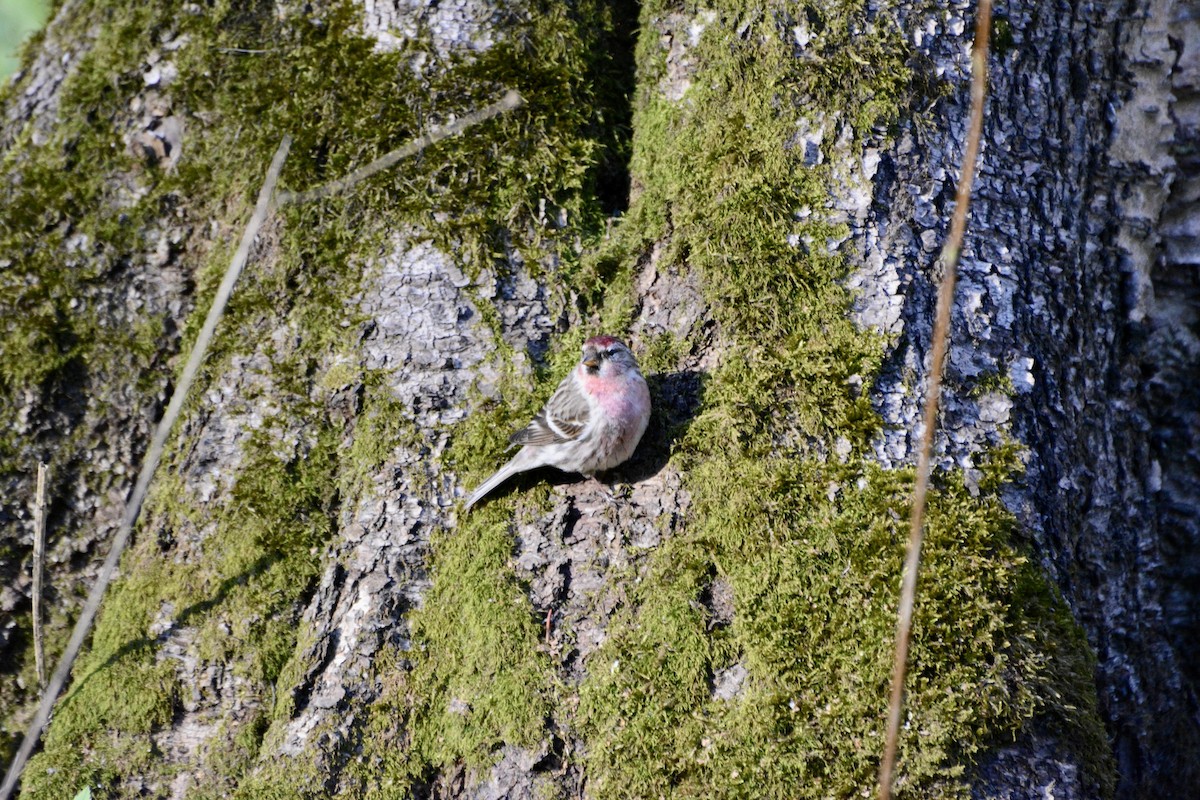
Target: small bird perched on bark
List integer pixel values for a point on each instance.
(593, 421)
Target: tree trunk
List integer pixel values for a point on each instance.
(757, 208)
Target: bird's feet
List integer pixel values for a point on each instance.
(612, 495)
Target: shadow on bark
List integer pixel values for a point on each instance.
(676, 397)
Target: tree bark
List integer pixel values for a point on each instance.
(758, 211)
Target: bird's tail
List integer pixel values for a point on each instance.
(518, 463)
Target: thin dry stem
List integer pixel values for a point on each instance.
(941, 340)
(39, 569)
(153, 455)
(512, 99)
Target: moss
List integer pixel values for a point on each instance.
(1001, 465)
(1002, 35)
(812, 549)
(100, 726)
(237, 602)
(475, 678)
(999, 382)
(68, 225)
(237, 599)
(478, 680)
(69, 230)
(232, 751)
(290, 779)
(661, 353)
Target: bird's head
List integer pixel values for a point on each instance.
(607, 356)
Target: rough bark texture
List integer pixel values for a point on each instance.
(334, 408)
(1078, 284)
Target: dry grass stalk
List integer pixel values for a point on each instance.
(511, 99)
(153, 455)
(941, 342)
(39, 569)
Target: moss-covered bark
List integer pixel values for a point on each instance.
(303, 615)
(790, 510)
(239, 526)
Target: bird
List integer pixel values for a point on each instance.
(592, 422)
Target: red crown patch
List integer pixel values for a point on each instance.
(602, 341)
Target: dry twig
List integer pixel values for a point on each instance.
(511, 99)
(39, 569)
(941, 339)
(153, 455)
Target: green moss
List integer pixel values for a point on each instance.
(478, 680)
(67, 225)
(237, 602)
(100, 726)
(811, 549)
(288, 779)
(475, 678)
(1002, 35)
(1001, 465)
(662, 353)
(69, 229)
(231, 754)
(992, 382)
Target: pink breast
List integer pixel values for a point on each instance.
(626, 401)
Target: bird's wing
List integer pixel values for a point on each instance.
(562, 420)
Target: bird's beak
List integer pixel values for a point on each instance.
(591, 362)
